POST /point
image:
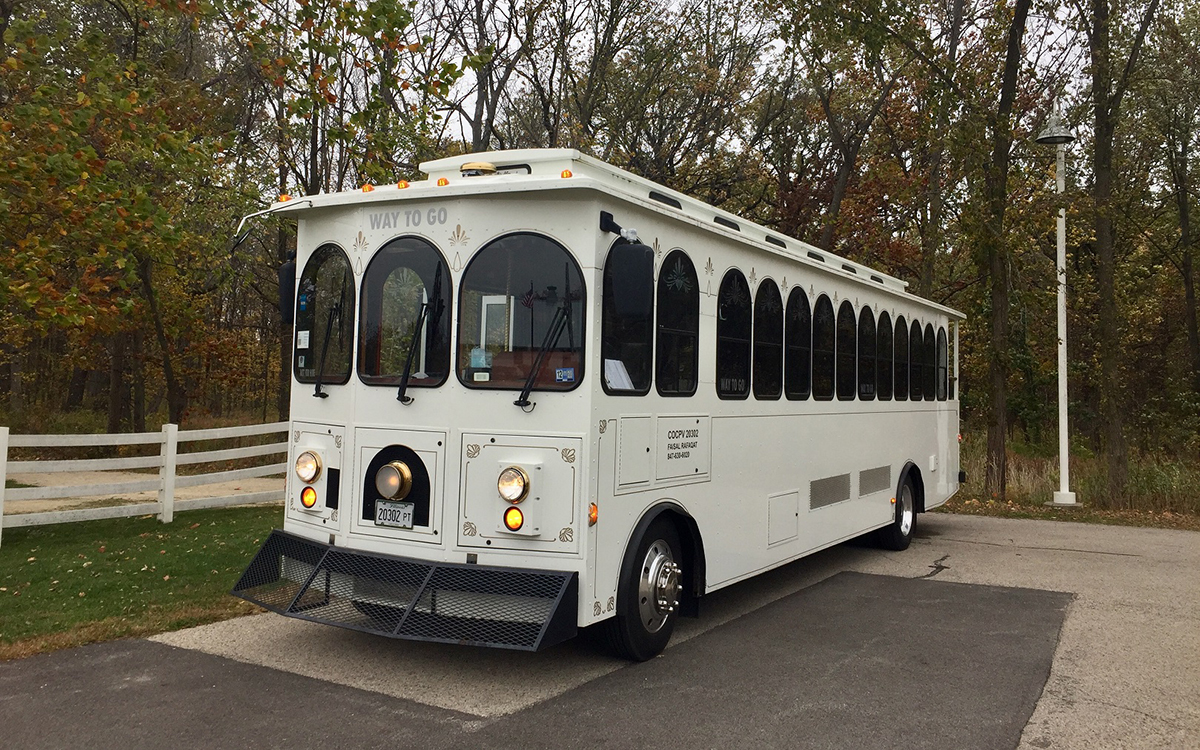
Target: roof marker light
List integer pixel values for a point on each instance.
(368, 188)
(443, 182)
(566, 173)
(402, 184)
(284, 198)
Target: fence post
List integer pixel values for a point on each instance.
(3, 474)
(166, 473)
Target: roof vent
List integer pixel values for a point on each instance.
(477, 169)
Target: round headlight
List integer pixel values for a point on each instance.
(308, 467)
(394, 480)
(513, 484)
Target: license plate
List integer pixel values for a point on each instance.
(399, 515)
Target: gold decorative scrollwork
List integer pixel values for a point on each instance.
(566, 535)
(596, 609)
(568, 455)
(612, 603)
(603, 426)
(469, 529)
(473, 450)
(333, 516)
(458, 236)
(296, 436)
(337, 440)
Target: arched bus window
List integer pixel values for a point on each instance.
(885, 357)
(768, 341)
(823, 349)
(797, 363)
(943, 369)
(847, 351)
(406, 275)
(916, 355)
(324, 318)
(901, 349)
(520, 294)
(734, 320)
(929, 365)
(678, 326)
(626, 330)
(866, 354)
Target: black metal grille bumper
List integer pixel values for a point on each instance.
(417, 600)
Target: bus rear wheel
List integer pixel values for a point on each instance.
(648, 594)
(898, 534)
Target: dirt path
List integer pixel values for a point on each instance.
(97, 478)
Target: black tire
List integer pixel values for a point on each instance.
(642, 627)
(898, 534)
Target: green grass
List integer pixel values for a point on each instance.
(74, 583)
(12, 484)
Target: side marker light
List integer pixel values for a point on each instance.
(308, 497)
(893, 501)
(593, 514)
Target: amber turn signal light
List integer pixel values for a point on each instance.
(593, 514)
(308, 497)
(514, 519)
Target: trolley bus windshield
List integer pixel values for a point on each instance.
(515, 293)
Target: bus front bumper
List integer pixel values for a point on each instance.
(419, 600)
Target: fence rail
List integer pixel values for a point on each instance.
(167, 462)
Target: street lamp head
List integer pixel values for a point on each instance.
(1055, 134)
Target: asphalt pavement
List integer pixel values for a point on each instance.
(986, 633)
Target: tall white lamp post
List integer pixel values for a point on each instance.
(1056, 134)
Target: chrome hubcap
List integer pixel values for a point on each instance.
(659, 585)
(906, 510)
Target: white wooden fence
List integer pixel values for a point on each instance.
(167, 462)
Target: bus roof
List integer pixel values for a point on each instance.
(523, 170)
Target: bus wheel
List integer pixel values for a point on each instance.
(898, 534)
(649, 594)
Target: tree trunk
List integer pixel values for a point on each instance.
(176, 397)
(75, 391)
(116, 383)
(139, 382)
(995, 258)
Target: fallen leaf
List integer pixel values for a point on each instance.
(194, 526)
(166, 578)
(102, 548)
(82, 594)
(31, 559)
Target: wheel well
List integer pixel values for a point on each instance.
(910, 471)
(693, 551)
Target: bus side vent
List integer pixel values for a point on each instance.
(777, 242)
(727, 223)
(668, 200)
(412, 599)
(816, 256)
(828, 491)
(874, 480)
(850, 268)
(877, 278)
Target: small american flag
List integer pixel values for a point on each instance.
(527, 300)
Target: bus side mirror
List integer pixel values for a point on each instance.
(632, 280)
(287, 292)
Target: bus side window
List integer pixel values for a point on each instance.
(734, 320)
(626, 329)
(798, 360)
(929, 365)
(866, 354)
(678, 321)
(942, 365)
(916, 355)
(847, 351)
(823, 347)
(768, 341)
(901, 343)
(885, 357)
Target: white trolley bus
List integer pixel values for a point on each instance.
(534, 392)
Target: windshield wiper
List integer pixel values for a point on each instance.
(335, 312)
(561, 320)
(434, 299)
